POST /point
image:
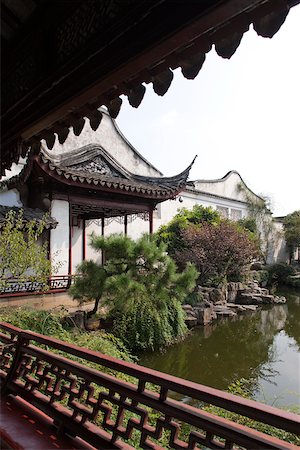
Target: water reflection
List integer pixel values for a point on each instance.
(264, 345)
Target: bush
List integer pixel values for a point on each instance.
(22, 257)
(171, 233)
(193, 298)
(293, 280)
(53, 324)
(220, 252)
(279, 273)
(261, 276)
(144, 327)
(142, 288)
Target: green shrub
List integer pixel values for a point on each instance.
(171, 233)
(141, 287)
(52, 324)
(279, 273)
(261, 276)
(193, 298)
(293, 280)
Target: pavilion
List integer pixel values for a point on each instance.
(85, 185)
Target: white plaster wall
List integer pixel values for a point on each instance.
(278, 250)
(189, 199)
(137, 228)
(92, 226)
(76, 247)
(225, 187)
(10, 197)
(113, 227)
(59, 237)
(112, 140)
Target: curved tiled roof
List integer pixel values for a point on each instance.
(92, 167)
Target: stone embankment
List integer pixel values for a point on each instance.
(228, 302)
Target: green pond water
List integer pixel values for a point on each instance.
(264, 345)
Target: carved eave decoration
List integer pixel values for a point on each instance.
(91, 168)
(70, 60)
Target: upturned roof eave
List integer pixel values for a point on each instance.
(107, 184)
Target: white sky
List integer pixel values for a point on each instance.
(240, 114)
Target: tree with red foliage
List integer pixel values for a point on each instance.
(220, 251)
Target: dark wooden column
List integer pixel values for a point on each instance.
(70, 239)
(125, 224)
(151, 221)
(102, 233)
(83, 239)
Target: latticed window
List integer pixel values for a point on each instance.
(235, 214)
(223, 211)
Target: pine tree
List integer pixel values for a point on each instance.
(140, 284)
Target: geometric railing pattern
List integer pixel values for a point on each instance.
(15, 286)
(110, 403)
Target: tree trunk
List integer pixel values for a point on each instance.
(94, 310)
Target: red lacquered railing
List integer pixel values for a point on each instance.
(114, 402)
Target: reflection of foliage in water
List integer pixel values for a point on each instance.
(292, 327)
(231, 349)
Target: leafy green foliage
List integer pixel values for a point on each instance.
(259, 210)
(261, 276)
(220, 249)
(279, 273)
(248, 223)
(171, 233)
(53, 324)
(292, 230)
(142, 288)
(21, 255)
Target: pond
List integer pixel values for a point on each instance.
(264, 345)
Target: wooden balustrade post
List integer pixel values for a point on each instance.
(4, 387)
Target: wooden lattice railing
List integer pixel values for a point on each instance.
(15, 286)
(117, 404)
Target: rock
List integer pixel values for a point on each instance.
(225, 312)
(250, 307)
(279, 299)
(187, 308)
(204, 315)
(267, 298)
(264, 291)
(218, 295)
(236, 306)
(92, 324)
(249, 299)
(191, 321)
(235, 286)
(77, 319)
